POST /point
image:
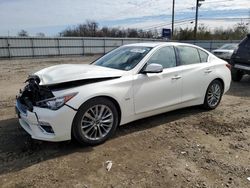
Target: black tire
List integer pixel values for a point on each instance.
(236, 75)
(206, 103)
(77, 123)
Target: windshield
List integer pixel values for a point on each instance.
(123, 58)
(229, 46)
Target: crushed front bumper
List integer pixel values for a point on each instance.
(45, 124)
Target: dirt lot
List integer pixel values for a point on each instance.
(185, 148)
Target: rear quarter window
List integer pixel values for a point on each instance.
(203, 56)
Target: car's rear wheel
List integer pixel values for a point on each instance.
(95, 122)
(236, 75)
(213, 95)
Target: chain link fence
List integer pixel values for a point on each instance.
(14, 47)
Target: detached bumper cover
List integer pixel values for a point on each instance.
(59, 120)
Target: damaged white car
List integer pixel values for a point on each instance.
(134, 81)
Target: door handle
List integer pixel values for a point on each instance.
(208, 71)
(176, 77)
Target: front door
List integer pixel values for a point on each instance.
(158, 90)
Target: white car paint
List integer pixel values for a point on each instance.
(69, 72)
(138, 95)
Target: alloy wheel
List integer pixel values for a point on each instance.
(97, 122)
(214, 95)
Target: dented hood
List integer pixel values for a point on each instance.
(72, 72)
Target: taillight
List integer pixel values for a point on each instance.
(229, 66)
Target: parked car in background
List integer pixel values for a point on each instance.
(134, 81)
(240, 59)
(225, 51)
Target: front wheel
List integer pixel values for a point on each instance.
(95, 122)
(213, 95)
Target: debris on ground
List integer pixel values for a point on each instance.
(108, 165)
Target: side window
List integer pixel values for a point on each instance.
(247, 45)
(188, 55)
(203, 55)
(164, 56)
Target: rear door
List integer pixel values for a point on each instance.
(196, 73)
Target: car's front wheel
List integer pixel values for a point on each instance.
(213, 95)
(95, 121)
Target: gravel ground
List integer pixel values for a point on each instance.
(184, 148)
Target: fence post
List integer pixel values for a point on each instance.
(58, 47)
(32, 47)
(211, 43)
(8, 44)
(83, 47)
(104, 46)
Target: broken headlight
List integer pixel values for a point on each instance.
(56, 102)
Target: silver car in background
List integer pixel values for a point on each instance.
(225, 51)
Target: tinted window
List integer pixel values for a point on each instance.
(245, 42)
(203, 55)
(164, 56)
(247, 45)
(188, 55)
(123, 58)
(229, 46)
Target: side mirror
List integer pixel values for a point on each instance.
(153, 68)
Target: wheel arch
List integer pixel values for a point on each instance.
(205, 105)
(114, 101)
(221, 81)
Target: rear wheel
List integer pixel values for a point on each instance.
(213, 95)
(236, 75)
(95, 122)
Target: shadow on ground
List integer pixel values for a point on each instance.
(19, 151)
(240, 89)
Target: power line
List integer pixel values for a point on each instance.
(183, 21)
(210, 2)
(166, 24)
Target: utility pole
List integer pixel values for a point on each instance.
(173, 18)
(198, 4)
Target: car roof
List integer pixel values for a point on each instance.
(155, 44)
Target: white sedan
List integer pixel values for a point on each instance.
(134, 81)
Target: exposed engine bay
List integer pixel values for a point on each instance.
(33, 92)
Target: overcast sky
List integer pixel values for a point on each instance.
(52, 16)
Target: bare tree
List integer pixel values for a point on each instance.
(40, 34)
(23, 33)
(91, 29)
